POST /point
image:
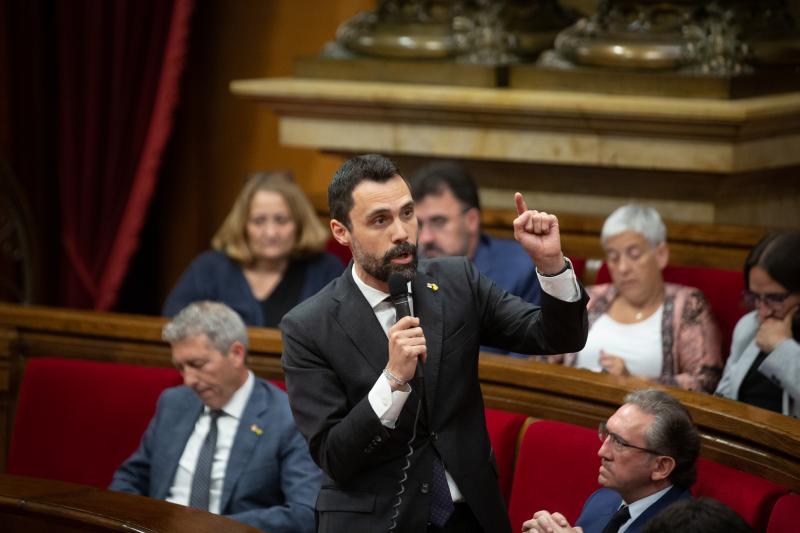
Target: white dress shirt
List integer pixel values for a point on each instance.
(639, 344)
(227, 425)
(387, 404)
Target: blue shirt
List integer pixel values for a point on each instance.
(505, 262)
(214, 276)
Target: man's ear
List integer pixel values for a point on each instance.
(340, 232)
(662, 255)
(472, 218)
(663, 468)
(237, 352)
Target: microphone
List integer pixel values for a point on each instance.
(398, 292)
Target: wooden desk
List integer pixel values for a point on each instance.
(29, 505)
(761, 442)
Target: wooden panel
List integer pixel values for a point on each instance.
(745, 437)
(30, 505)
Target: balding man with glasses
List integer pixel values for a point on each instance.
(648, 452)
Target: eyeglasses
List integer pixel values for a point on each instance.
(618, 443)
(773, 300)
(438, 222)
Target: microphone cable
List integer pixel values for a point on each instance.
(401, 487)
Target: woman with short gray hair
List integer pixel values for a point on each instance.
(640, 325)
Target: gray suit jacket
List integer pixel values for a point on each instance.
(270, 481)
(782, 365)
(334, 351)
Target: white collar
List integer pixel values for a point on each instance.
(639, 506)
(374, 296)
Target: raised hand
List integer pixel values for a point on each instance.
(538, 234)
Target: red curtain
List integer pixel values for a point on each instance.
(119, 64)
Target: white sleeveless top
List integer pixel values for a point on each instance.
(638, 344)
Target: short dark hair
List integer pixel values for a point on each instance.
(777, 253)
(704, 515)
(432, 179)
(672, 433)
(372, 167)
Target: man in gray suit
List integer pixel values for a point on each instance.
(404, 450)
(224, 442)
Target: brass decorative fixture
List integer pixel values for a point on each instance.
(722, 37)
(482, 32)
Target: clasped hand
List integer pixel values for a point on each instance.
(545, 522)
(773, 331)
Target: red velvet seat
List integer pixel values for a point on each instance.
(504, 427)
(721, 287)
(750, 496)
(785, 517)
(556, 470)
(77, 420)
(342, 252)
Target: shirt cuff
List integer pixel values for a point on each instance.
(563, 286)
(387, 404)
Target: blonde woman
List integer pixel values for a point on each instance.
(266, 257)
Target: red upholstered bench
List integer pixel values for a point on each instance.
(750, 496)
(504, 428)
(785, 517)
(556, 470)
(77, 420)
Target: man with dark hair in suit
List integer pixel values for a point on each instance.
(449, 214)
(647, 462)
(224, 442)
(402, 449)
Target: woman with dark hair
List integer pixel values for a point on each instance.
(267, 256)
(764, 366)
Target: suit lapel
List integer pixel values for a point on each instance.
(255, 414)
(358, 320)
(428, 307)
(181, 429)
(672, 495)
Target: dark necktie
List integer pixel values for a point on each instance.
(441, 503)
(619, 518)
(201, 482)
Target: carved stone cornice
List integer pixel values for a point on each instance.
(559, 127)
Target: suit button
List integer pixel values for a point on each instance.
(378, 439)
(434, 436)
(425, 488)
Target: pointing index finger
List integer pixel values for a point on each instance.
(521, 205)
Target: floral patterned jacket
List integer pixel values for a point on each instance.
(689, 336)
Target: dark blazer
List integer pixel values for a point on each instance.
(270, 481)
(335, 350)
(214, 276)
(603, 503)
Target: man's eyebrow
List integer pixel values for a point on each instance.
(378, 211)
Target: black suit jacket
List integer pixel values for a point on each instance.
(335, 350)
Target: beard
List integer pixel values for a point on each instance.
(382, 267)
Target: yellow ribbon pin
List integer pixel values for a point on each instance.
(257, 430)
(434, 287)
